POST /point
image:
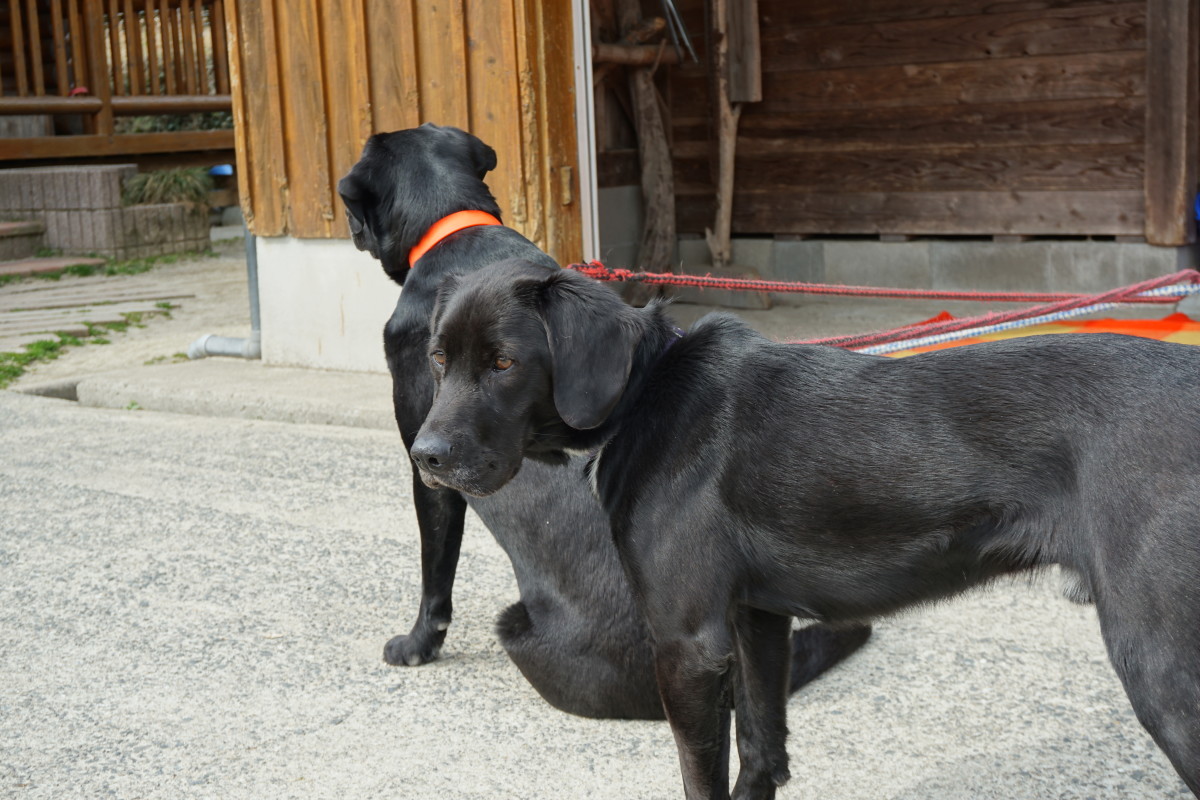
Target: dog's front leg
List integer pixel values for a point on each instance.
(440, 514)
(693, 675)
(763, 646)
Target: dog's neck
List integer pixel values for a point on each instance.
(447, 226)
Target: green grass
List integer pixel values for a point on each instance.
(13, 365)
(182, 185)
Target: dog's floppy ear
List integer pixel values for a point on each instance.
(592, 340)
(484, 157)
(351, 195)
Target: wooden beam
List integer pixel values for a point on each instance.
(1172, 78)
(124, 144)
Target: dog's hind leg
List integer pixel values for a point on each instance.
(579, 668)
(763, 649)
(1159, 664)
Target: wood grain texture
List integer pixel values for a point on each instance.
(789, 46)
(255, 80)
(392, 65)
(1172, 127)
(1114, 213)
(1042, 168)
(441, 56)
(1085, 121)
(1045, 78)
(839, 12)
(305, 120)
(347, 93)
(494, 103)
(328, 73)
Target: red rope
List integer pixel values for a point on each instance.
(1060, 301)
(1124, 294)
(594, 269)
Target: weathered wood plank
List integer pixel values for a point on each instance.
(110, 145)
(254, 79)
(964, 168)
(392, 62)
(839, 12)
(170, 56)
(1026, 32)
(35, 47)
(745, 52)
(188, 40)
(114, 54)
(202, 84)
(564, 227)
(441, 54)
(305, 124)
(1111, 213)
(133, 46)
(495, 98)
(78, 45)
(1086, 121)
(1172, 127)
(347, 92)
(1047, 78)
(531, 220)
(97, 60)
(18, 47)
(62, 80)
(220, 48)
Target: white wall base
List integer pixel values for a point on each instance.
(323, 303)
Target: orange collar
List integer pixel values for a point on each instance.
(446, 226)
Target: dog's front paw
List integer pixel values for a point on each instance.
(412, 650)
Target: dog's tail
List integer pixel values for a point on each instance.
(818, 647)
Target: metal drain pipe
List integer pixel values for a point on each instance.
(250, 347)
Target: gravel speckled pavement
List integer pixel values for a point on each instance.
(195, 606)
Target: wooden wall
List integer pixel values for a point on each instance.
(312, 79)
(954, 117)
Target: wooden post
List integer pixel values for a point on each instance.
(1172, 128)
(97, 60)
(726, 116)
(657, 248)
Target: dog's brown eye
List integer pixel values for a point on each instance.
(502, 363)
(439, 358)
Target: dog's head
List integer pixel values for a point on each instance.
(525, 358)
(406, 181)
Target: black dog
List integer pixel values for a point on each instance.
(576, 635)
(749, 482)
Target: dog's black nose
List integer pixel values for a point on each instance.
(431, 452)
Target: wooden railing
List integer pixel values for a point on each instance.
(87, 62)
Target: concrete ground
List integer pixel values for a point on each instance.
(198, 582)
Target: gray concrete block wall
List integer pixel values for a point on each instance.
(948, 264)
(82, 211)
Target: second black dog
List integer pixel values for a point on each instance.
(575, 634)
(749, 482)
